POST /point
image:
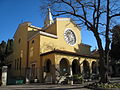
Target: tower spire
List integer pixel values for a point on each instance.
(48, 20)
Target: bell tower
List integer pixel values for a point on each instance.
(48, 20)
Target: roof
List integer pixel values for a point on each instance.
(24, 23)
(67, 53)
(85, 45)
(95, 51)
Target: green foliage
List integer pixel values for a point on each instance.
(5, 49)
(104, 85)
(9, 47)
(78, 78)
(2, 52)
(115, 46)
(0, 82)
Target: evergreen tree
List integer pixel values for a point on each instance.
(9, 47)
(2, 52)
(115, 46)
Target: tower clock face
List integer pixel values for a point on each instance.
(70, 37)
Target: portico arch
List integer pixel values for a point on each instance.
(94, 67)
(75, 67)
(86, 69)
(48, 66)
(64, 66)
(48, 71)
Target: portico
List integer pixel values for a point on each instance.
(64, 63)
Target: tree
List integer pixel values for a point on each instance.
(115, 50)
(9, 47)
(96, 16)
(5, 50)
(2, 52)
(2, 55)
(115, 46)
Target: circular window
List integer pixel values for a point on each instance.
(70, 37)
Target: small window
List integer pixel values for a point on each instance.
(15, 64)
(21, 53)
(20, 64)
(19, 40)
(31, 51)
(32, 41)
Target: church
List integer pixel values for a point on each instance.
(48, 53)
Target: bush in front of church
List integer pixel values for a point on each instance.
(77, 79)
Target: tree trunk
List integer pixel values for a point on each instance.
(103, 69)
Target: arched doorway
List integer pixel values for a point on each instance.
(48, 66)
(94, 67)
(75, 67)
(48, 71)
(86, 69)
(64, 66)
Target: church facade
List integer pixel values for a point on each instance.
(47, 53)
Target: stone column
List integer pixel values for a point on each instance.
(90, 66)
(71, 75)
(53, 74)
(57, 73)
(97, 69)
(81, 66)
(28, 75)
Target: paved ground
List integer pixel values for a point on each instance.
(43, 87)
(51, 87)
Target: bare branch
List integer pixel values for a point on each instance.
(89, 25)
(94, 19)
(69, 4)
(110, 17)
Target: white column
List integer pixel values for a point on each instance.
(4, 75)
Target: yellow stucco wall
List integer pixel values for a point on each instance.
(50, 57)
(20, 48)
(48, 43)
(51, 29)
(34, 43)
(35, 58)
(58, 58)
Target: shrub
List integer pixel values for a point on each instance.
(77, 79)
(0, 82)
(104, 85)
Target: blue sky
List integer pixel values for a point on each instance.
(14, 12)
